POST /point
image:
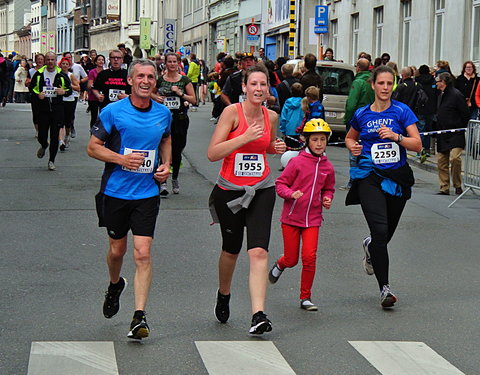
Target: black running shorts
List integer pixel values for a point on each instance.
(120, 215)
(257, 218)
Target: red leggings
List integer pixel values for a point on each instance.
(291, 244)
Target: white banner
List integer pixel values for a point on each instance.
(113, 9)
(169, 35)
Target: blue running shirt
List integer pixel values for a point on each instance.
(397, 117)
(125, 129)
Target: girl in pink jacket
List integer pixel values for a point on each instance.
(306, 185)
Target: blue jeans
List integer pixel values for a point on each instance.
(424, 124)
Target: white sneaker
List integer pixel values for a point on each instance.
(62, 146)
(51, 166)
(387, 298)
(163, 189)
(67, 141)
(307, 304)
(175, 187)
(367, 261)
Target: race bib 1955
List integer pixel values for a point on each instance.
(249, 165)
(383, 153)
(148, 162)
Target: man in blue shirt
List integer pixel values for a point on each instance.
(132, 137)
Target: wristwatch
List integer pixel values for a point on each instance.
(400, 138)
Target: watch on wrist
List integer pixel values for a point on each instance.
(400, 138)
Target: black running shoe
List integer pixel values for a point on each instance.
(222, 308)
(112, 298)
(260, 324)
(139, 328)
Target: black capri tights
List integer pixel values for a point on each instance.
(257, 218)
(382, 212)
(179, 131)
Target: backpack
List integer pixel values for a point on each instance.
(421, 98)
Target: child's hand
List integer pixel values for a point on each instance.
(297, 194)
(327, 202)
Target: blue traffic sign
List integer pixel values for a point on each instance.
(320, 30)
(321, 15)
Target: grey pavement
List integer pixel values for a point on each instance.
(53, 273)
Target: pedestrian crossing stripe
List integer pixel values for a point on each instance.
(404, 358)
(242, 358)
(72, 358)
(235, 358)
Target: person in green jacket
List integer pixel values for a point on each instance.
(361, 92)
(360, 95)
(193, 73)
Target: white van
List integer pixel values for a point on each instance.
(337, 79)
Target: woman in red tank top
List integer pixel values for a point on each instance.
(244, 195)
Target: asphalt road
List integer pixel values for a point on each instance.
(53, 273)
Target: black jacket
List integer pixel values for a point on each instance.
(312, 78)
(283, 90)
(465, 86)
(406, 92)
(452, 113)
(427, 82)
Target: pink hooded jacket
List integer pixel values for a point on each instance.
(315, 177)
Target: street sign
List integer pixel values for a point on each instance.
(253, 40)
(252, 29)
(145, 26)
(320, 29)
(321, 15)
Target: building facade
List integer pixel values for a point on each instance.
(412, 32)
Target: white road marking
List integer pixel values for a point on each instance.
(72, 358)
(242, 358)
(404, 358)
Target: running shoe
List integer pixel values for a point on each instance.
(67, 141)
(367, 261)
(163, 189)
(175, 187)
(222, 308)
(139, 328)
(260, 324)
(423, 156)
(274, 273)
(387, 298)
(307, 304)
(62, 146)
(111, 305)
(51, 166)
(73, 133)
(41, 152)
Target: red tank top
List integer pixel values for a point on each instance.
(248, 164)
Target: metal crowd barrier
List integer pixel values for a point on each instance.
(471, 175)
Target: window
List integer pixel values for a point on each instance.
(407, 17)
(355, 36)
(81, 37)
(438, 28)
(378, 13)
(137, 10)
(187, 6)
(334, 28)
(476, 30)
(336, 81)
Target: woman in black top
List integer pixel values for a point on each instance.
(175, 91)
(467, 83)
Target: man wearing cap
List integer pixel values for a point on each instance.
(232, 90)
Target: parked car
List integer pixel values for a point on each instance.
(337, 80)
